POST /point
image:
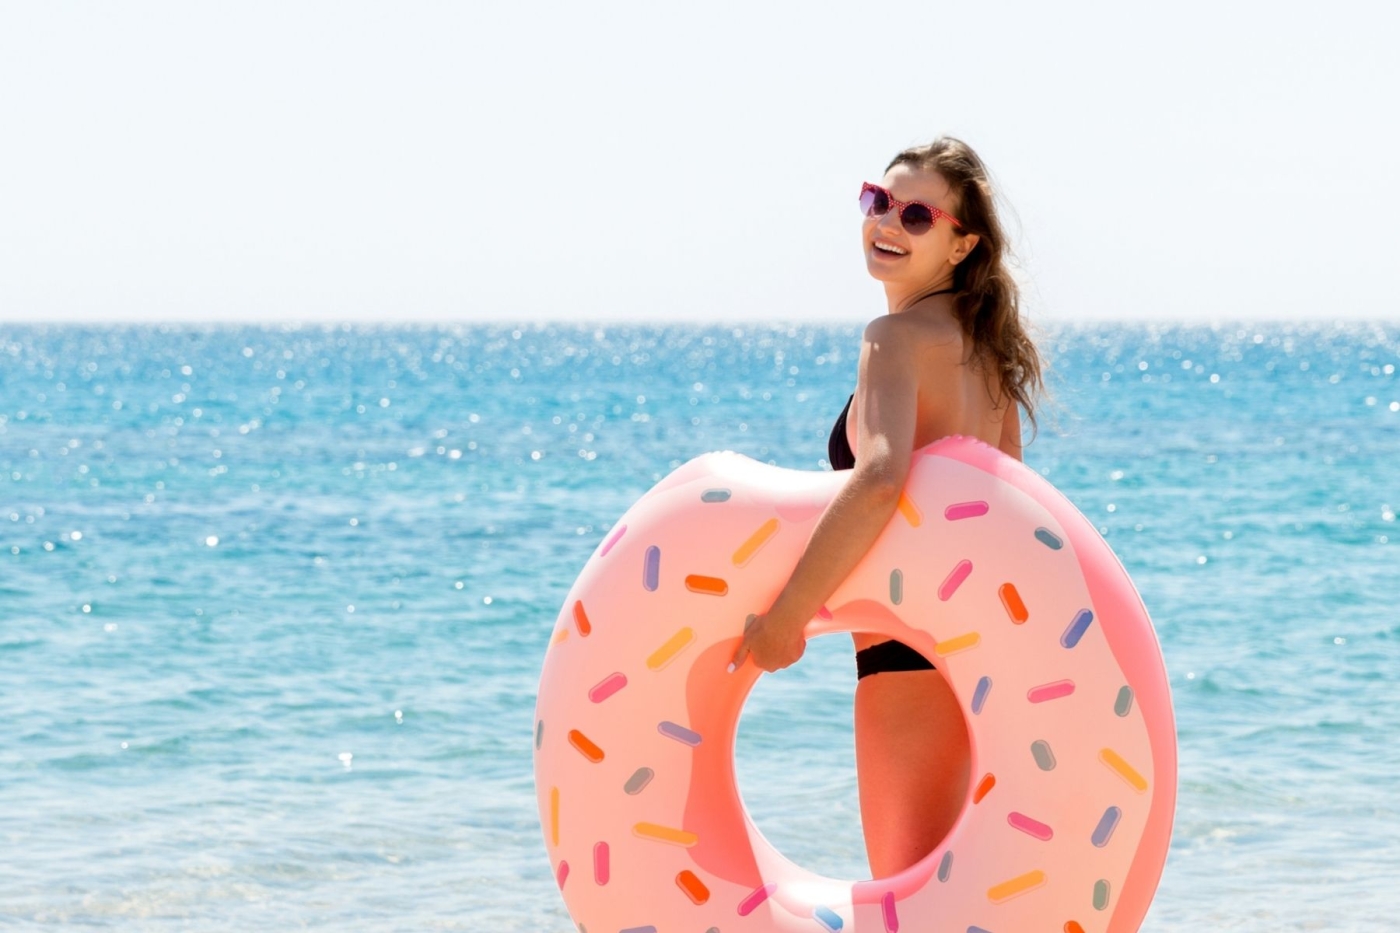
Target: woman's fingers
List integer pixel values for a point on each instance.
(739, 656)
(743, 651)
(766, 648)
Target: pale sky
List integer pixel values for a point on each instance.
(414, 161)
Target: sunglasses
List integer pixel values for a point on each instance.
(916, 216)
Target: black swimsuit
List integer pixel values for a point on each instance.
(887, 655)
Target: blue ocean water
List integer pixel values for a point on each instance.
(273, 604)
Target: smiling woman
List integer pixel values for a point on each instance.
(950, 357)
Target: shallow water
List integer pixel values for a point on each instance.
(273, 604)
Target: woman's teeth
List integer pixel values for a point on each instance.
(884, 247)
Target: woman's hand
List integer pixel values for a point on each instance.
(772, 642)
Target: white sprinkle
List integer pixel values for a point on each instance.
(75, 535)
(1339, 641)
(87, 607)
(486, 600)
(1201, 559)
(212, 541)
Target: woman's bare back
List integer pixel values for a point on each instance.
(981, 410)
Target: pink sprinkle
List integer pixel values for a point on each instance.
(887, 908)
(1050, 691)
(562, 874)
(824, 613)
(1029, 826)
(954, 580)
(612, 539)
(758, 896)
(600, 863)
(607, 687)
(960, 510)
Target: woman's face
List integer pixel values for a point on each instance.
(895, 256)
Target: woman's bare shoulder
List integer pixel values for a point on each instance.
(917, 332)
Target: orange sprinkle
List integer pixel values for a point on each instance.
(693, 887)
(581, 618)
(1012, 601)
(673, 646)
(585, 745)
(910, 511)
(1073, 927)
(957, 643)
(554, 815)
(1018, 885)
(755, 541)
(711, 586)
(678, 837)
(560, 634)
(1124, 770)
(983, 786)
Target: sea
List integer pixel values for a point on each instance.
(274, 602)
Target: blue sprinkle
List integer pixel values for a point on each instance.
(827, 918)
(651, 570)
(539, 734)
(715, 495)
(1048, 538)
(1107, 823)
(1076, 629)
(896, 586)
(679, 733)
(977, 930)
(979, 696)
(945, 866)
(1124, 704)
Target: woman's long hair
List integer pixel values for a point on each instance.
(987, 300)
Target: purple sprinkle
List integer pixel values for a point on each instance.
(679, 733)
(1077, 628)
(651, 570)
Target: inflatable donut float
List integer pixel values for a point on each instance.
(984, 568)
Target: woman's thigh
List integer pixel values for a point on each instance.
(913, 761)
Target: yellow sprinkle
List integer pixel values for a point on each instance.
(674, 646)
(559, 636)
(1018, 885)
(910, 511)
(554, 815)
(756, 540)
(1124, 770)
(957, 643)
(677, 837)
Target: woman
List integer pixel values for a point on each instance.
(950, 357)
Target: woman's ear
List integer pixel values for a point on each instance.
(963, 248)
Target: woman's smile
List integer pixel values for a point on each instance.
(884, 249)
